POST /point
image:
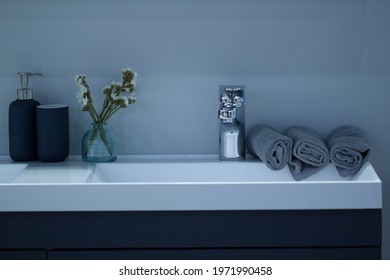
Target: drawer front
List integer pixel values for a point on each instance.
(191, 229)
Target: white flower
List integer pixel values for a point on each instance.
(125, 99)
(107, 88)
(79, 78)
(80, 96)
(114, 96)
(85, 101)
(135, 75)
(83, 88)
(126, 69)
(132, 82)
(113, 83)
(82, 99)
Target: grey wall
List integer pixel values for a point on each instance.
(320, 63)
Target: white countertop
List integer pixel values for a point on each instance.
(179, 183)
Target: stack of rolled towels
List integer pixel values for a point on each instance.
(304, 151)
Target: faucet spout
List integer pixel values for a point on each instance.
(232, 123)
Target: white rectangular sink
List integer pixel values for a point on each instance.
(181, 185)
(10, 171)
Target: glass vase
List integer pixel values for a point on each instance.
(99, 144)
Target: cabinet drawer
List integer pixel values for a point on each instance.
(191, 229)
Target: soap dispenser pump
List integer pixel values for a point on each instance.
(22, 122)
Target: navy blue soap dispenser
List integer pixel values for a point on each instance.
(22, 122)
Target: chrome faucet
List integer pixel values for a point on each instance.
(232, 124)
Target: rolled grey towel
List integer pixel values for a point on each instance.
(349, 149)
(272, 147)
(309, 154)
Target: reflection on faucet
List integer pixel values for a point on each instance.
(232, 125)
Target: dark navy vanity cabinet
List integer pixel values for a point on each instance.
(262, 234)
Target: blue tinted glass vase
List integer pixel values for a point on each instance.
(99, 144)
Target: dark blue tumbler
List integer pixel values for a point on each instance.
(52, 132)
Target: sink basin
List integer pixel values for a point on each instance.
(185, 173)
(9, 171)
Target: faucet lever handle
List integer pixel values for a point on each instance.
(234, 95)
(234, 91)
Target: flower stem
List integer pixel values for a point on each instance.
(113, 112)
